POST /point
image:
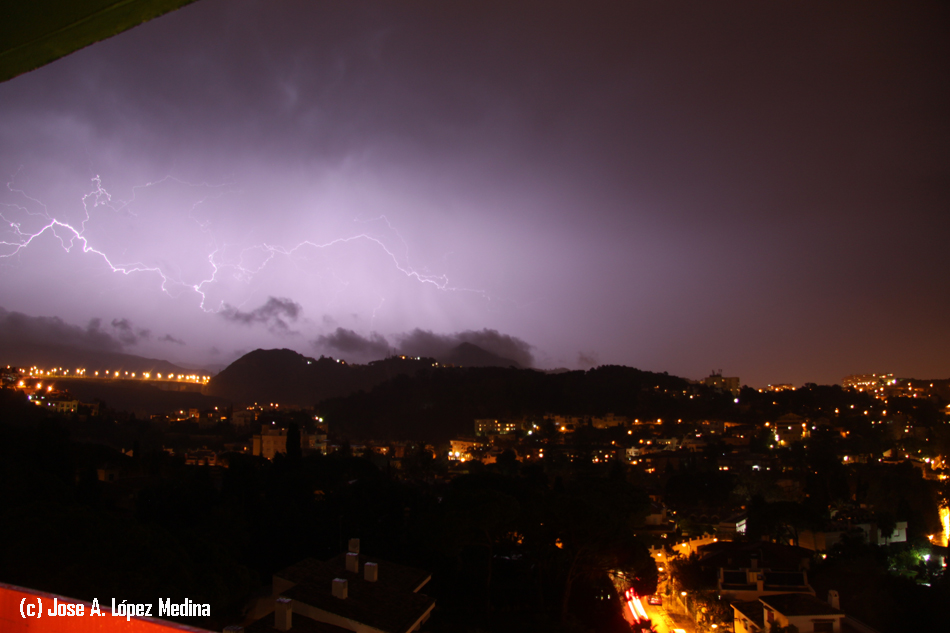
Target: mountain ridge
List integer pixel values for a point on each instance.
(284, 376)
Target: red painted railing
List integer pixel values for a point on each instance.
(15, 600)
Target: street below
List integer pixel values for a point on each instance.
(667, 622)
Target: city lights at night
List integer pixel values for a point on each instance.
(474, 317)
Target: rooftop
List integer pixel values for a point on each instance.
(391, 574)
(388, 604)
(752, 610)
(792, 604)
(733, 555)
(367, 602)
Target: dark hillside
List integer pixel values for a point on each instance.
(283, 376)
(470, 355)
(441, 402)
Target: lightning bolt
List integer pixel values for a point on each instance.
(69, 234)
(22, 240)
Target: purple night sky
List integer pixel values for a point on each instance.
(757, 187)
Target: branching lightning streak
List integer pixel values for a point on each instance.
(69, 234)
(23, 240)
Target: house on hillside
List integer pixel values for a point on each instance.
(749, 571)
(790, 428)
(736, 554)
(272, 441)
(799, 612)
(752, 583)
(861, 524)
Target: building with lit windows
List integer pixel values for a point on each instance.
(495, 427)
(790, 428)
(866, 382)
(273, 441)
(66, 406)
(243, 417)
(723, 383)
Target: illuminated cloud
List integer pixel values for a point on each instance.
(275, 314)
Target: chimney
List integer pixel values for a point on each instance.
(339, 588)
(353, 563)
(355, 545)
(371, 572)
(283, 613)
(833, 599)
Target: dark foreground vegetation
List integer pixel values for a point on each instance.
(523, 545)
(510, 547)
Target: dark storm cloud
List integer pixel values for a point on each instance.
(129, 334)
(168, 338)
(586, 360)
(274, 314)
(673, 186)
(420, 342)
(345, 341)
(17, 329)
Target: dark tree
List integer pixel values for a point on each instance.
(293, 441)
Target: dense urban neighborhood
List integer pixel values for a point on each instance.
(483, 498)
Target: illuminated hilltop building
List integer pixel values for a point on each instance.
(495, 427)
(272, 441)
(875, 383)
(885, 386)
(790, 428)
(723, 383)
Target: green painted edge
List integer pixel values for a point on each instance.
(112, 20)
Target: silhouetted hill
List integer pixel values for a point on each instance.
(287, 377)
(471, 355)
(439, 403)
(415, 398)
